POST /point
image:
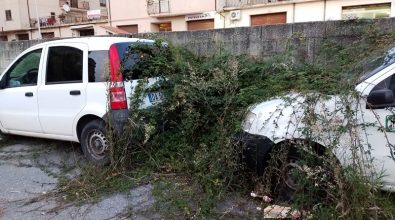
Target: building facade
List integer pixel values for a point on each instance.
(162, 15)
(241, 13)
(19, 19)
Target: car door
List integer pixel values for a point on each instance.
(18, 97)
(63, 92)
(378, 115)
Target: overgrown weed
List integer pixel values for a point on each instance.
(190, 132)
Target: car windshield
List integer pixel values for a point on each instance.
(378, 64)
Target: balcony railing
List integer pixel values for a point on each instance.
(75, 4)
(61, 20)
(158, 6)
(241, 3)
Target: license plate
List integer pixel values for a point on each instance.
(155, 97)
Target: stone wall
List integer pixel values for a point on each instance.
(259, 42)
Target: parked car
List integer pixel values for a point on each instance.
(272, 123)
(65, 89)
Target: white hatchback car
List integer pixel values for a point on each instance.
(64, 90)
(281, 120)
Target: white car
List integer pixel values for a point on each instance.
(60, 90)
(280, 120)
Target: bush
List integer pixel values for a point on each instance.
(206, 100)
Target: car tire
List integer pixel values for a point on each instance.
(288, 183)
(291, 182)
(94, 142)
(4, 137)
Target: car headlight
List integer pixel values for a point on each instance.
(250, 118)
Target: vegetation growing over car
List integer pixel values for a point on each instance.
(190, 133)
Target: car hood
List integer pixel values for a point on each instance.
(282, 117)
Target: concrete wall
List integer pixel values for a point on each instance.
(261, 42)
(10, 50)
(265, 41)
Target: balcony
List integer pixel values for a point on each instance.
(242, 3)
(75, 4)
(158, 7)
(52, 21)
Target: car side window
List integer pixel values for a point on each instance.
(98, 66)
(25, 71)
(65, 65)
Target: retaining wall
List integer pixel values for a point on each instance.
(259, 42)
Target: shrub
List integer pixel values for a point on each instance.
(191, 131)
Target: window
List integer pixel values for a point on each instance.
(74, 3)
(367, 11)
(164, 6)
(200, 25)
(129, 58)
(48, 35)
(65, 65)
(3, 38)
(98, 66)
(22, 36)
(103, 3)
(25, 71)
(134, 29)
(377, 64)
(8, 15)
(87, 32)
(163, 27)
(268, 19)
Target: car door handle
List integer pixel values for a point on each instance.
(75, 92)
(29, 94)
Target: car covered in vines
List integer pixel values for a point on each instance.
(355, 129)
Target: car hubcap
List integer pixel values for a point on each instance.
(292, 174)
(98, 144)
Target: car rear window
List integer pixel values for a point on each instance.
(98, 62)
(129, 58)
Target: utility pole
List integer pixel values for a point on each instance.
(38, 21)
(109, 11)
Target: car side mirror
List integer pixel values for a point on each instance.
(380, 99)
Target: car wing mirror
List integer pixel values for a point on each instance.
(380, 99)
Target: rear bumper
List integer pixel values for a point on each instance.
(256, 149)
(118, 119)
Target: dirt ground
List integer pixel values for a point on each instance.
(30, 172)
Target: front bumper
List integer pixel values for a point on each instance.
(255, 150)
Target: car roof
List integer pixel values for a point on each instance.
(96, 43)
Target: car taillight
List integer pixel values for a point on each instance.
(117, 88)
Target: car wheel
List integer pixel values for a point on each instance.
(296, 176)
(290, 177)
(4, 137)
(94, 142)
